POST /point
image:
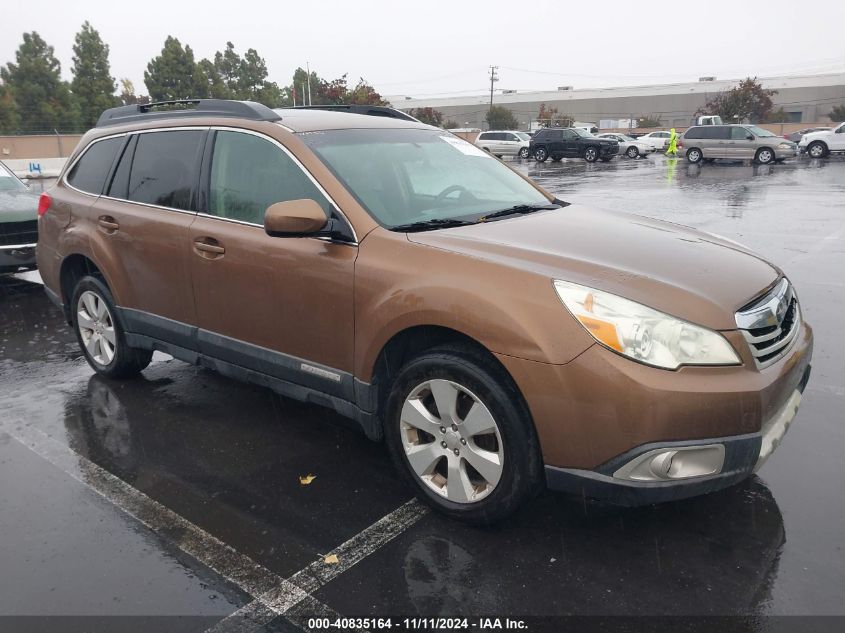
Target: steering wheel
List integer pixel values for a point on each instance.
(451, 189)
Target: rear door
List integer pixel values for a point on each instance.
(280, 306)
(141, 235)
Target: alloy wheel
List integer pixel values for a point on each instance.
(590, 154)
(816, 150)
(632, 152)
(451, 441)
(96, 327)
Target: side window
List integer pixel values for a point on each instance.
(249, 173)
(511, 137)
(693, 132)
(484, 136)
(90, 172)
(567, 134)
(119, 187)
(165, 168)
(739, 133)
(723, 132)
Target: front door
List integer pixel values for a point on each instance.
(278, 305)
(837, 141)
(739, 146)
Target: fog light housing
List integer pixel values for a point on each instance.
(668, 464)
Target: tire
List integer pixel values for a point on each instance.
(591, 154)
(523, 153)
(541, 154)
(764, 156)
(694, 155)
(632, 152)
(817, 149)
(103, 343)
(507, 451)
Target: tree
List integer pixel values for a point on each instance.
(127, 93)
(549, 117)
(451, 124)
(299, 88)
(500, 118)
(209, 82)
(43, 101)
(92, 85)
(649, 120)
(429, 116)
(746, 101)
(172, 75)
(838, 113)
(228, 66)
(252, 84)
(10, 118)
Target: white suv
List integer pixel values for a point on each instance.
(504, 143)
(821, 144)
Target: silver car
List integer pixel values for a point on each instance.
(504, 143)
(735, 142)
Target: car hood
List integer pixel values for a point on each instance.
(812, 136)
(18, 206)
(693, 275)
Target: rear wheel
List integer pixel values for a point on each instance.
(591, 154)
(632, 152)
(541, 154)
(694, 155)
(458, 430)
(817, 149)
(100, 334)
(764, 156)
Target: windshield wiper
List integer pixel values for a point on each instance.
(519, 209)
(429, 225)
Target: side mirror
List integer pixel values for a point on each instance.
(294, 218)
(750, 137)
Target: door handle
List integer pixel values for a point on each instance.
(208, 247)
(107, 222)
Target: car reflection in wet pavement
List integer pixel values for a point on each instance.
(228, 457)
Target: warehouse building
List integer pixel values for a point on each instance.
(805, 99)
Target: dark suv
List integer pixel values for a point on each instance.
(571, 142)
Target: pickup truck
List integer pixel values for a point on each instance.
(822, 144)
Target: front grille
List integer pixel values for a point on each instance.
(13, 233)
(770, 324)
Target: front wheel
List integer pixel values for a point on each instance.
(591, 154)
(523, 153)
(458, 430)
(764, 156)
(541, 154)
(100, 334)
(817, 149)
(694, 155)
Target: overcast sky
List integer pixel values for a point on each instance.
(428, 48)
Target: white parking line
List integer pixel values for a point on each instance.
(273, 595)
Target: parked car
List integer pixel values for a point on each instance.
(628, 146)
(658, 140)
(498, 338)
(796, 137)
(504, 143)
(571, 142)
(821, 144)
(735, 142)
(18, 223)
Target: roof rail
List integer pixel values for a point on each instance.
(371, 110)
(186, 108)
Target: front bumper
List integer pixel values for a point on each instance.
(16, 256)
(791, 152)
(743, 455)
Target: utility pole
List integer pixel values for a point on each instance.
(493, 79)
(308, 70)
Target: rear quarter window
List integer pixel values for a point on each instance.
(694, 132)
(91, 170)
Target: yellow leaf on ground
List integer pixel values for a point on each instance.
(331, 559)
(306, 479)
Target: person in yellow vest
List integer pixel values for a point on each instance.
(672, 150)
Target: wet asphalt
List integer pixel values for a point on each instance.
(117, 498)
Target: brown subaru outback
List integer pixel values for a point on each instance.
(496, 337)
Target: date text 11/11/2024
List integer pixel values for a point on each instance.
(417, 624)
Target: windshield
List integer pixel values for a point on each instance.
(413, 175)
(582, 133)
(758, 131)
(625, 137)
(8, 181)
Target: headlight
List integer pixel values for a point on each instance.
(646, 335)
(785, 146)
